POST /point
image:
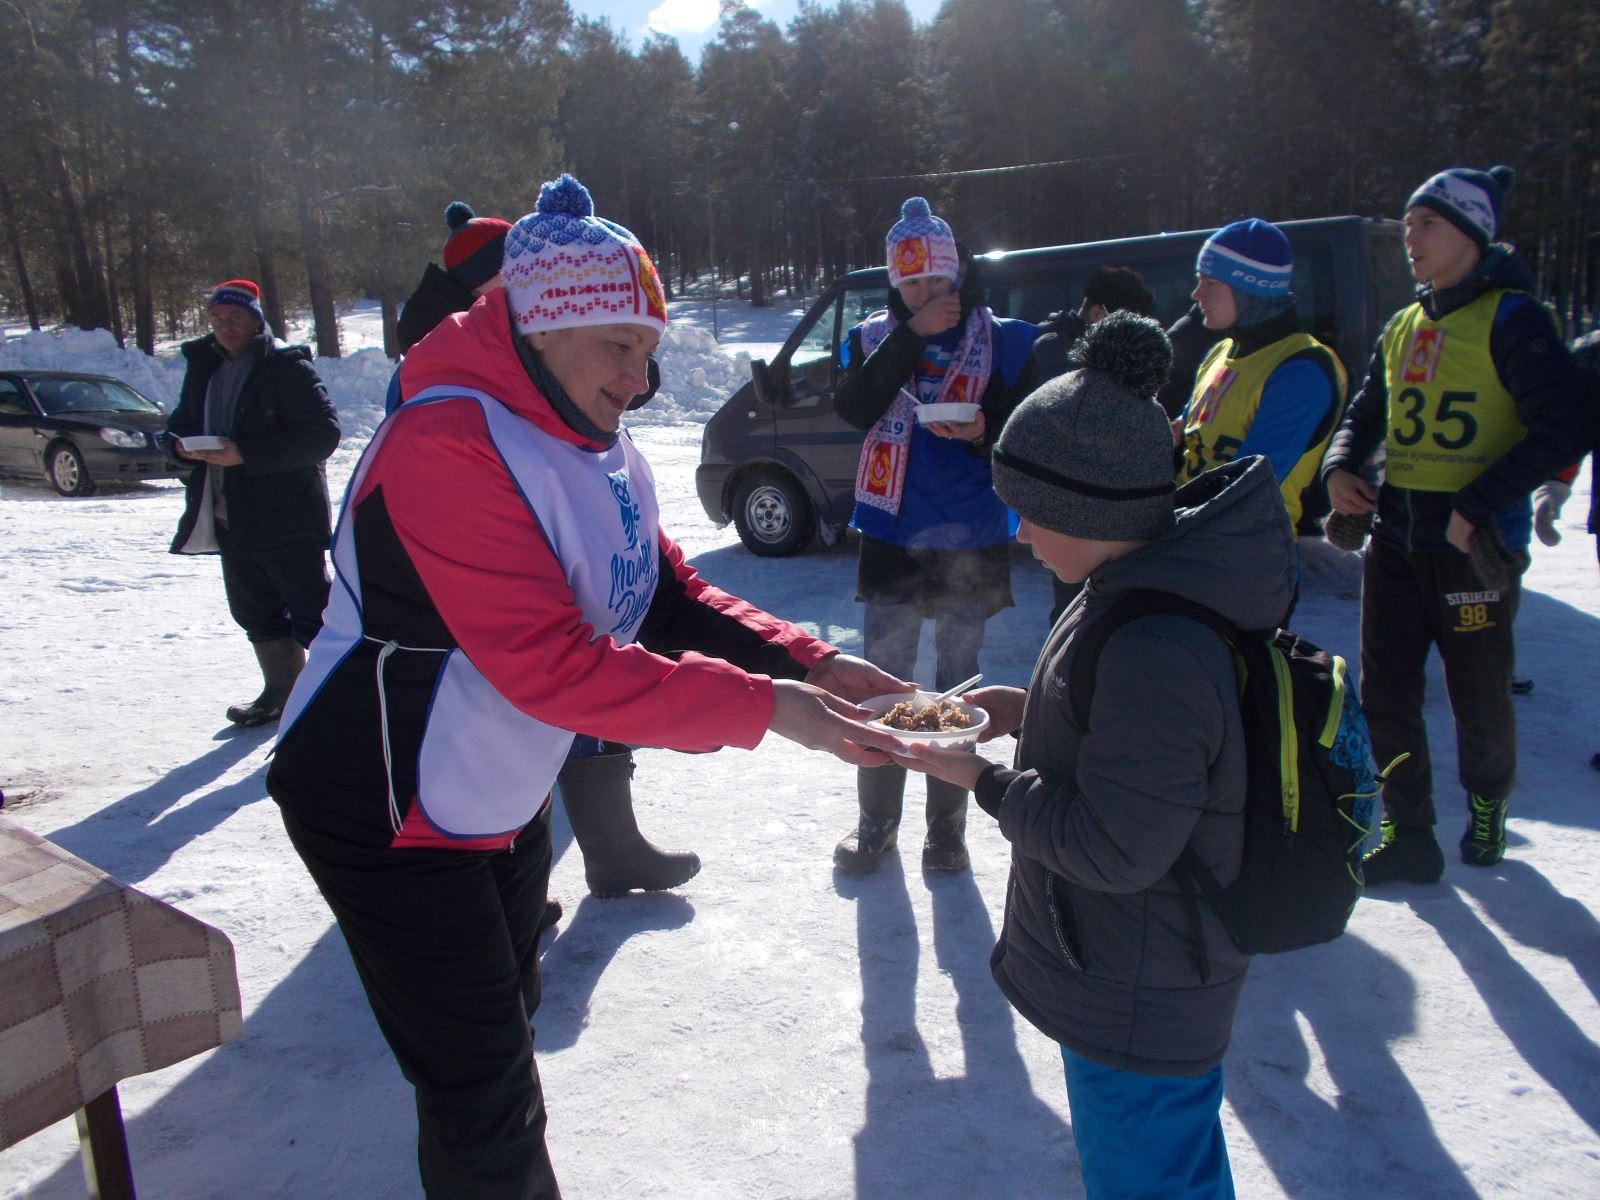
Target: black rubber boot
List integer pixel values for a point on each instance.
(1408, 854)
(598, 795)
(550, 916)
(945, 847)
(281, 660)
(880, 792)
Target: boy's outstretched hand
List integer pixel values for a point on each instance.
(960, 767)
(1004, 706)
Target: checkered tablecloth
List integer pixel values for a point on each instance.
(97, 982)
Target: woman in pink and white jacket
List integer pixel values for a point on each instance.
(502, 581)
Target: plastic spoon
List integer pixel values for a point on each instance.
(957, 690)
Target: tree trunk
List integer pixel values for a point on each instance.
(391, 319)
(133, 195)
(90, 164)
(266, 263)
(85, 306)
(113, 299)
(14, 235)
(324, 319)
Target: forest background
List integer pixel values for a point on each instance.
(149, 148)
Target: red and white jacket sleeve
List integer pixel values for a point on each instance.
(487, 569)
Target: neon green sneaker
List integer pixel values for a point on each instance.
(1484, 842)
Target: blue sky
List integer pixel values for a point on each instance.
(694, 22)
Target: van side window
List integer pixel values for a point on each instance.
(811, 364)
(814, 364)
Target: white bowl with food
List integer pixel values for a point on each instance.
(911, 717)
(958, 414)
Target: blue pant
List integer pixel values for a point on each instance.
(1147, 1137)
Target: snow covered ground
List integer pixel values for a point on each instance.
(774, 1030)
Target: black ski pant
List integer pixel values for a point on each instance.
(1410, 602)
(274, 594)
(446, 945)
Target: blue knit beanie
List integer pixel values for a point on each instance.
(1249, 256)
(1470, 200)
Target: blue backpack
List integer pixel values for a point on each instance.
(1310, 789)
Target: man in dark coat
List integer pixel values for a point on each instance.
(1109, 290)
(257, 421)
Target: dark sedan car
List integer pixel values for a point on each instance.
(80, 430)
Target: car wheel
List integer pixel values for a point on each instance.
(67, 473)
(773, 514)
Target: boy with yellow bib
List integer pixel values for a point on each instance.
(1474, 399)
(1266, 388)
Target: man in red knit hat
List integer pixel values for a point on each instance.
(255, 420)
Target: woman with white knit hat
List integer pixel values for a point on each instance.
(502, 580)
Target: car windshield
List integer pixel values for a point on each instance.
(59, 396)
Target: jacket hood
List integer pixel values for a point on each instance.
(1232, 549)
(1500, 267)
(1247, 339)
(473, 350)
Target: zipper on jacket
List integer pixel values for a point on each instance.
(1055, 922)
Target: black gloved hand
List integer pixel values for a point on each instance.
(1496, 566)
(1347, 531)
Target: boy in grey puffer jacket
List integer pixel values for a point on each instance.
(1098, 945)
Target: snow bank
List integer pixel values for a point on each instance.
(697, 375)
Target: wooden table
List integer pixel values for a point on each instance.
(100, 982)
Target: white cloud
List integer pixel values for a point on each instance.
(683, 16)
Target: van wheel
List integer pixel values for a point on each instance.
(773, 514)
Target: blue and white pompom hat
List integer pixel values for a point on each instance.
(1250, 256)
(1470, 200)
(564, 266)
(919, 244)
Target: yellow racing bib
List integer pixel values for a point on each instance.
(1449, 415)
(1227, 394)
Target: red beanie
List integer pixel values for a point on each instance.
(476, 244)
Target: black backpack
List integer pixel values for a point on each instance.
(1310, 788)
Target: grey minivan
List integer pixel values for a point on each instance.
(779, 462)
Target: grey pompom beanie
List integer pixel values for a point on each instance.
(1090, 454)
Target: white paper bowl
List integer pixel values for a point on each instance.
(959, 413)
(956, 739)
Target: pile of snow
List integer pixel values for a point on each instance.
(697, 375)
(94, 351)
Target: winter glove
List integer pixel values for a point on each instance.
(1496, 566)
(1347, 531)
(1547, 502)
